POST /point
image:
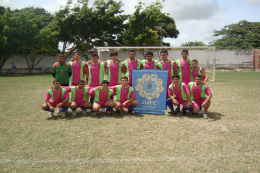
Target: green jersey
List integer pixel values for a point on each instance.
(61, 72)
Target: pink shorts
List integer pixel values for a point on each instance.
(121, 103)
(79, 103)
(102, 104)
(180, 101)
(54, 104)
(197, 103)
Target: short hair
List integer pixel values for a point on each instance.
(194, 60)
(149, 53)
(56, 80)
(198, 76)
(184, 50)
(76, 52)
(164, 51)
(81, 81)
(104, 82)
(113, 53)
(132, 50)
(94, 55)
(175, 76)
(124, 77)
(61, 55)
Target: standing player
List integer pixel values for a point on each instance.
(182, 67)
(62, 71)
(132, 63)
(79, 69)
(79, 97)
(200, 95)
(102, 95)
(196, 70)
(179, 93)
(125, 96)
(167, 64)
(56, 97)
(150, 63)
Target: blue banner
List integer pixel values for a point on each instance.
(150, 90)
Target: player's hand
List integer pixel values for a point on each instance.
(203, 83)
(203, 104)
(52, 108)
(86, 82)
(72, 60)
(189, 104)
(51, 87)
(56, 63)
(175, 103)
(98, 88)
(124, 104)
(89, 62)
(119, 60)
(59, 105)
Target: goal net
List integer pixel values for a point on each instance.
(205, 55)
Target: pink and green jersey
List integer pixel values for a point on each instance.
(115, 72)
(130, 65)
(184, 70)
(198, 92)
(179, 91)
(96, 74)
(78, 71)
(196, 72)
(123, 94)
(100, 96)
(151, 65)
(76, 94)
(168, 66)
(56, 96)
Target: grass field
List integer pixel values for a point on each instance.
(229, 141)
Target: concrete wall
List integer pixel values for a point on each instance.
(225, 59)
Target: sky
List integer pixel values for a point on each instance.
(195, 20)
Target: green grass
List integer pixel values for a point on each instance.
(227, 142)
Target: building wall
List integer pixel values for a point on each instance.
(225, 59)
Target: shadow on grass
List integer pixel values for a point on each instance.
(93, 115)
(212, 116)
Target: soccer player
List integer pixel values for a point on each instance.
(167, 64)
(179, 93)
(196, 70)
(125, 96)
(79, 69)
(200, 95)
(56, 97)
(115, 68)
(62, 71)
(132, 63)
(150, 63)
(79, 97)
(102, 95)
(182, 67)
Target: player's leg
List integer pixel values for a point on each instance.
(170, 105)
(131, 105)
(118, 105)
(64, 108)
(96, 107)
(195, 107)
(205, 107)
(85, 106)
(47, 108)
(109, 104)
(185, 107)
(73, 106)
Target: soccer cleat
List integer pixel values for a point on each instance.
(68, 111)
(205, 116)
(109, 112)
(177, 110)
(131, 111)
(50, 114)
(173, 113)
(184, 113)
(88, 110)
(84, 111)
(58, 111)
(63, 114)
(103, 109)
(97, 113)
(74, 113)
(200, 112)
(118, 111)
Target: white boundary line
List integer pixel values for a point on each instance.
(152, 159)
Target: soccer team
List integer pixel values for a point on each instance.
(186, 84)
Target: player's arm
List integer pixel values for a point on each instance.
(170, 94)
(70, 70)
(175, 68)
(49, 105)
(53, 71)
(203, 72)
(132, 98)
(206, 101)
(87, 98)
(66, 99)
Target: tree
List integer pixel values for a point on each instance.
(147, 27)
(28, 26)
(241, 35)
(194, 43)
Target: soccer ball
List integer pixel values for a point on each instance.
(146, 77)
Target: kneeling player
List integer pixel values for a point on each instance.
(200, 95)
(56, 97)
(102, 96)
(182, 95)
(79, 97)
(125, 96)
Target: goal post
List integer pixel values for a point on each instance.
(206, 55)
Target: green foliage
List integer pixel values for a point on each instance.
(146, 26)
(241, 35)
(194, 43)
